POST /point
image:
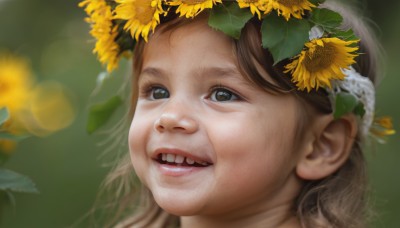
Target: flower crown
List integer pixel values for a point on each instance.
(310, 37)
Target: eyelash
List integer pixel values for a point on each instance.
(146, 90)
(214, 89)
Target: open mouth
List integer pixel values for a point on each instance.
(179, 160)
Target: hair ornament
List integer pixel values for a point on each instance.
(319, 52)
(286, 24)
(361, 91)
(356, 93)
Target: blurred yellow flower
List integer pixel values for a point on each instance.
(103, 30)
(320, 62)
(50, 109)
(38, 109)
(15, 82)
(291, 8)
(381, 127)
(141, 16)
(191, 8)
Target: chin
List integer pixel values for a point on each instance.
(179, 206)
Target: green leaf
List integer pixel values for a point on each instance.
(359, 109)
(316, 2)
(345, 103)
(12, 181)
(326, 18)
(284, 39)
(229, 18)
(100, 113)
(346, 35)
(4, 115)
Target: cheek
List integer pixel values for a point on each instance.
(243, 138)
(255, 153)
(137, 145)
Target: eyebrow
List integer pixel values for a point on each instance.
(220, 72)
(228, 72)
(202, 73)
(152, 71)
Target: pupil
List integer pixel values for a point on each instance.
(160, 93)
(223, 95)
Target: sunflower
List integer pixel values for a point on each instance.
(191, 8)
(256, 6)
(15, 83)
(288, 8)
(141, 16)
(321, 61)
(103, 30)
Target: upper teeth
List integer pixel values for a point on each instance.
(179, 159)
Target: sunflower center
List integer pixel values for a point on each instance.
(320, 59)
(290, 3)
(193, 2)
(144, 11)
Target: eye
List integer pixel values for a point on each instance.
(158, 93)
(222, 95)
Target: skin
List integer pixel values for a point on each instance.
(194, 101)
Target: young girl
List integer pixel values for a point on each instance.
(234, 125)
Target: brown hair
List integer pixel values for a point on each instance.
(338, 200)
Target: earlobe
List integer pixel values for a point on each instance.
(329, 148)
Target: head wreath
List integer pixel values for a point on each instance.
(319, 51)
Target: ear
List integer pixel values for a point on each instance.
(328, 147)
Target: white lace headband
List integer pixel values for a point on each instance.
(363, 90)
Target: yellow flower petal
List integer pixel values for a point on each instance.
(191, 8)
(291, 8)
(384, 121)
(256, 6)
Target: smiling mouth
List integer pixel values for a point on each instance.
(179, 160)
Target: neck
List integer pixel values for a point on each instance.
(277, 217)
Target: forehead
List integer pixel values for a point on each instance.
(194, 40)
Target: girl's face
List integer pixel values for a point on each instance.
(204, 140)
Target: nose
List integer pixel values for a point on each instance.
(176, 119)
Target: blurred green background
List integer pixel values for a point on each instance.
(66, 166)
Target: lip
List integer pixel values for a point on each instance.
(177, 171)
